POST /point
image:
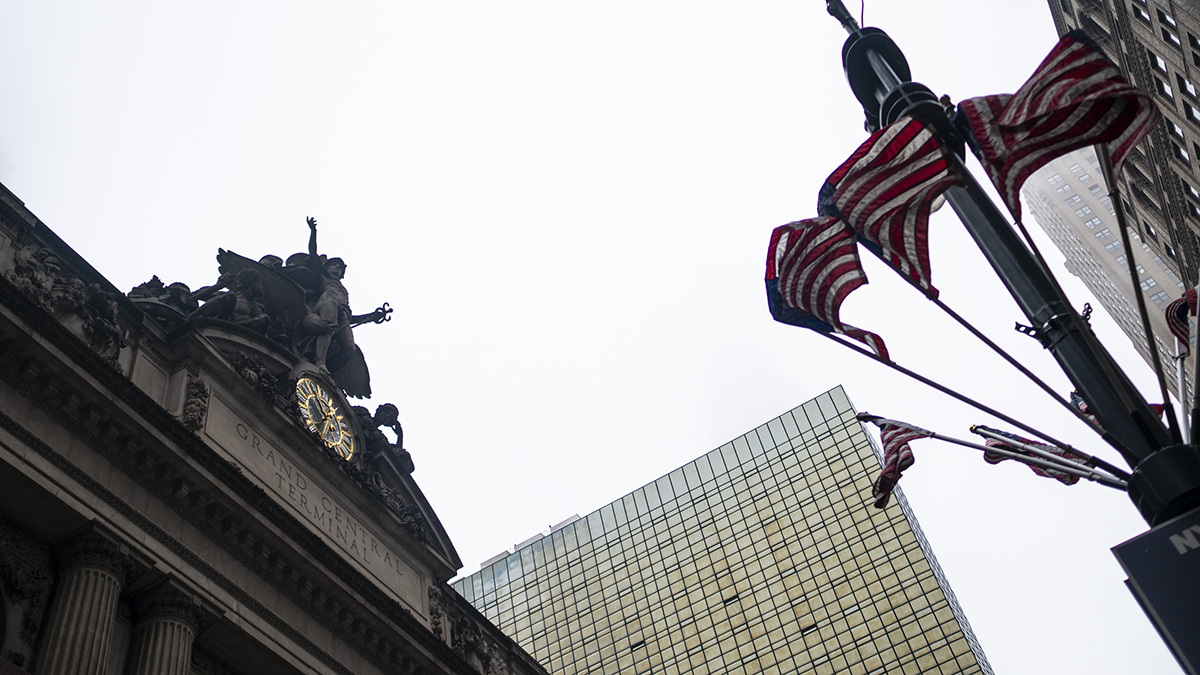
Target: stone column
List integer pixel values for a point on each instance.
(80, 627)
(165, 626)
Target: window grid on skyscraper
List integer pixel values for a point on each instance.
(763, 555)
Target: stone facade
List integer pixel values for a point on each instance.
(166, 508)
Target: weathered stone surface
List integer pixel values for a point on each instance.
(124, 411)
(167, 620)
(79, 634)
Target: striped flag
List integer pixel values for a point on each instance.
(885, 191)
(1076, 98)
(1079, 404)
(1177, 319)
(812, 265)
(992, 458)
(897, 456)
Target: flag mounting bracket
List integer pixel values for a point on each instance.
(1045, 334)
(1027, 330)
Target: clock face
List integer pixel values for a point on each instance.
(324, 417)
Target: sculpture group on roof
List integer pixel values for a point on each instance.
(299, 304)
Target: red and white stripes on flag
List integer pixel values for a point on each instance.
(885, 191)
(816, 265)
(880, 196)
(992, 458)
(1076, 98)
(1177, 319)
(897, 456)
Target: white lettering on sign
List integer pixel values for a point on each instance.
(284, 477)
(1186, 541)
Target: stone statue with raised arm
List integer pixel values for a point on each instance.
(330, 320)
(333, 302)
(299, 306)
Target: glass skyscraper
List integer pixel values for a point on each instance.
(762, 556)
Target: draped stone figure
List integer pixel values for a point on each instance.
(301, 305)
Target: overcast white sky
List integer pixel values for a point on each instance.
(568, 205)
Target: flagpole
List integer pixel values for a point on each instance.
(1044, 454)
(1166, 477)
(872, 62)
(1058, 464)
(1119, 407)
(1107, 481)
(1072, 468)
(1106, 168)
(1181, 386)
(1013, 362)
(974, 404)
(1192, 339)
(1103, 433)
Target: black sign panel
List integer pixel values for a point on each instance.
(1164, 574)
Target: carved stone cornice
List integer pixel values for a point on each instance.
(477, 649)
(372, 483)
(55, 389)
(477, 641)
(19, 227)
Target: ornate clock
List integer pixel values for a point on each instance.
(324, 416)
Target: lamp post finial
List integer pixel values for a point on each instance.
(838, 11)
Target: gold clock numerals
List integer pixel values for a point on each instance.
(324, 416)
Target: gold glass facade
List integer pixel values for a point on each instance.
(762, 556)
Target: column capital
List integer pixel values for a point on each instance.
(167, 617)
(167, 601)
(92, 549)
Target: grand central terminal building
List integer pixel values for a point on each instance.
(185, 487)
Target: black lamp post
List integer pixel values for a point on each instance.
(1166, 474)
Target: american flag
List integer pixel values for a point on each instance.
(992, 458)
(1177, 319)
(897, 456)
(1079, 404)
(885, 191)
(812, 265)
(1075, 98)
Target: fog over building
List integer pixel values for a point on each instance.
(762, 556)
